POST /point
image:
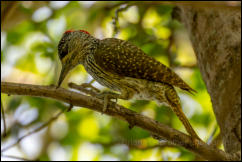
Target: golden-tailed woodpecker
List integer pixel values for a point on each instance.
(123, 67)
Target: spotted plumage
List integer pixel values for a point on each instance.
(126, 59)
(123, 67)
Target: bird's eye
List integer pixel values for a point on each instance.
(62, 49)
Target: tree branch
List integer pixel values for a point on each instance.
(154, 127)
(136, 145)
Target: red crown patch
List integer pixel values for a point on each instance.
(84, 31)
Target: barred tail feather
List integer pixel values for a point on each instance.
(190, 90)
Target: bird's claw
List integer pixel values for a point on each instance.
(107, 96)
(89, 85)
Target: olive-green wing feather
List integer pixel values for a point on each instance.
(125, 59)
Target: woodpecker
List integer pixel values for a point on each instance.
(123, 67)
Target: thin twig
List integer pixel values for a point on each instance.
(17, 158)
(34, 131)
(116, 17)
(4, 121)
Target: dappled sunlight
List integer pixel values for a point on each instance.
(23, 77)
(88, 151)
(29, 55)
(41, 14)
(88, 128)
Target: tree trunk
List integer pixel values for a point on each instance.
(216, 38)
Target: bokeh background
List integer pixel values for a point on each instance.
(29, 39)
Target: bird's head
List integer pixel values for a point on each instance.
(72, 50)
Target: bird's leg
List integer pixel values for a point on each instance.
(175, 105)
(126, 94)
(89, 85)
(107, 96)
(82, 89)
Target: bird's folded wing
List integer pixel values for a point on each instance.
(127, 60)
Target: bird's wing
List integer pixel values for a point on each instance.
(125, 59)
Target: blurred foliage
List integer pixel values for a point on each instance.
(29, 55)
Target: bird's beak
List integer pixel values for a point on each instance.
(63, 73)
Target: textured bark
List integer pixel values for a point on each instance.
(216, 38)
(157, 129)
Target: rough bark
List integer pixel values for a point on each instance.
(216, 38)
(157, 129)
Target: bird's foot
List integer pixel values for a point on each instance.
(89, 85)
(83, 88)
(107, 96)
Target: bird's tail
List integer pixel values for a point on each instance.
(175, 105)
(190, 90)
